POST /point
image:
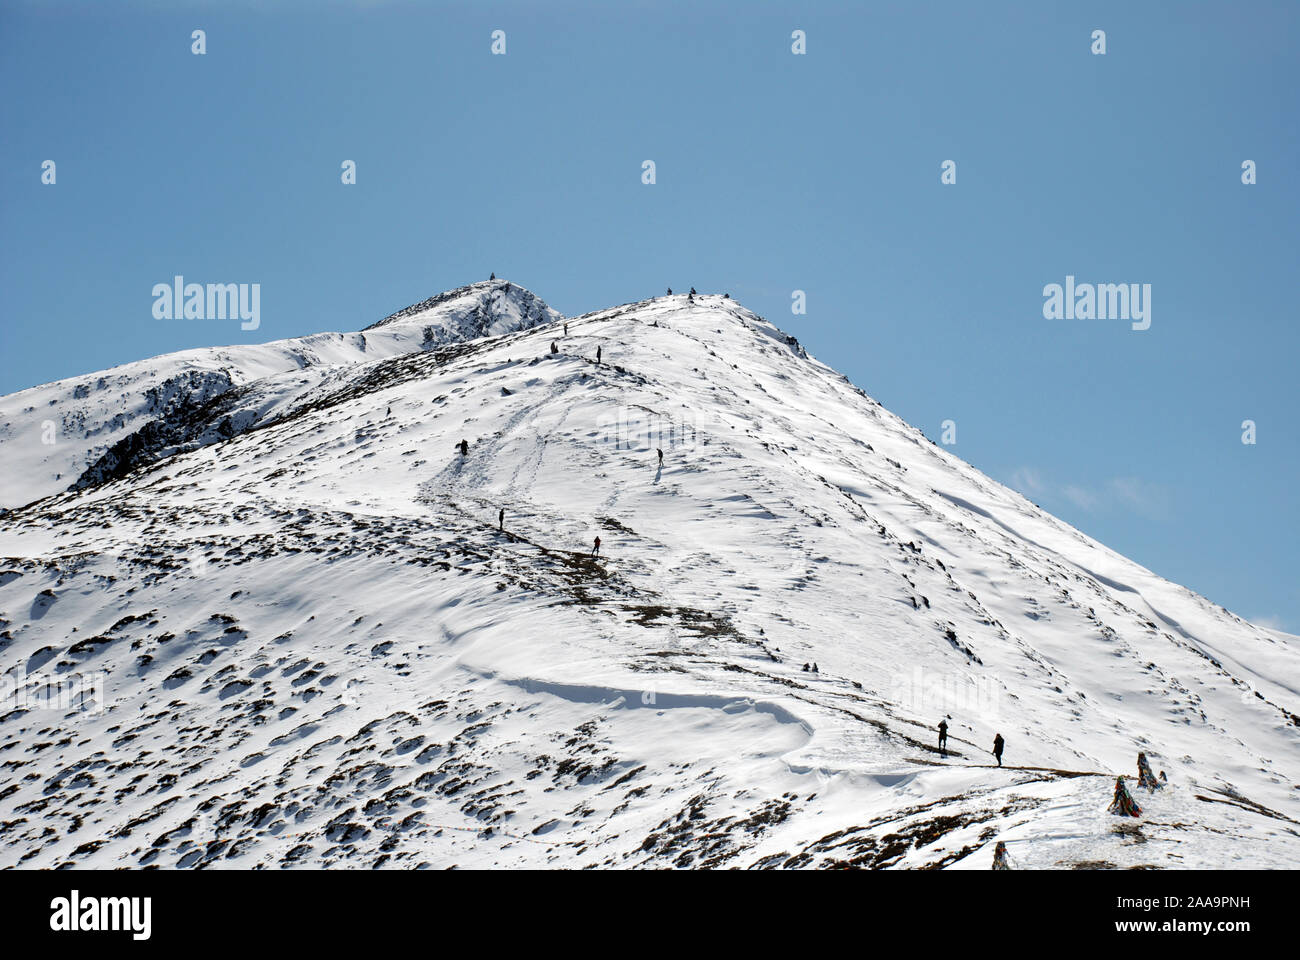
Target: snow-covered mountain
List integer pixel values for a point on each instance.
(88, 417)
(290, 632)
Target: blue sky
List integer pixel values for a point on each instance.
(775, 172)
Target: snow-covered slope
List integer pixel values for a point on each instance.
(53, 433)
(316, 647)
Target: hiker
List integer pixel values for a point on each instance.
(692, 293)
(501, 519)
(943, 737)
(595, 551)
(493, 277)
(554, 347)
(598, 354)
(670, 291)
(566, 328)
(661, 456)
(998, 744)
(463, 446)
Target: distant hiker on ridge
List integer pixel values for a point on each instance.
(595, 551)
(943, 737)
(670, 291)
(463, 446)
(998, 744)
(554, 347)
(566, 328)
(661, 456)
(598, 354)
(501, 519)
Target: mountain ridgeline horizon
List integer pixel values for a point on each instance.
(334, 600)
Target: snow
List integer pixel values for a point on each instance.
(339, 658)
(89, 413)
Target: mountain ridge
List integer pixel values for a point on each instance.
(318, 647)
(92, 426)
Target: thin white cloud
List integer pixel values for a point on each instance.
(1137, 493)
(1027, 480)
(1131, 494)
(1080, 496)
(1270, 622)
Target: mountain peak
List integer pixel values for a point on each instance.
(487, 308)
(354, 583)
